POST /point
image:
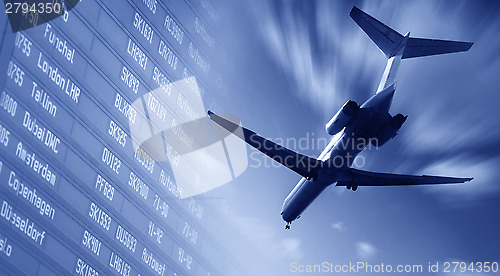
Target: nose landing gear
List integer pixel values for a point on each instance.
(287, 226)
(354, 188)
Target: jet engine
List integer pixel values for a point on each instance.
(342, 117)
(389, 130)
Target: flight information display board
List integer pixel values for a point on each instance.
(75, 197)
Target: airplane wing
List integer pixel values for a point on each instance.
(355, 177)
(301, 164)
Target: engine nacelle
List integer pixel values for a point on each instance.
(342, 117)
(389, 130)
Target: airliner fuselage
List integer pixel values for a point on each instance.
(361, 132)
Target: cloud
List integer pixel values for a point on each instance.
(269, 241)
(290, 248)
(365, 250)
(483, 186)
(327, 63)
(339, 226)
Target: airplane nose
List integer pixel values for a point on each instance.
(283, 214)
(286, 216)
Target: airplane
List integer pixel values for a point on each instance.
(355, 126)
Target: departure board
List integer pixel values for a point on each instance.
(75, 197)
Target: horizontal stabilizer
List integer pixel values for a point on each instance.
(301, 164)
(355, 177)
(419, 47)
(389, 41)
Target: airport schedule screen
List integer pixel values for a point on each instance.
(75, 197)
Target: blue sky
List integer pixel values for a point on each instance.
(296, 62)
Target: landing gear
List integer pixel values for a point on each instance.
(354, 188)
(287, 226)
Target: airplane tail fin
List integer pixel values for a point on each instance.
(390, 42)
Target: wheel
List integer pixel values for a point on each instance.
(354, 188)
